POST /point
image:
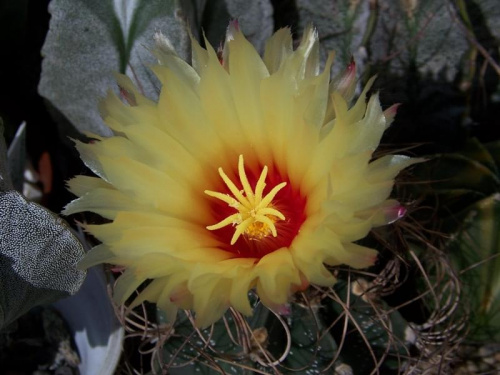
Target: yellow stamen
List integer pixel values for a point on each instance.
(255, 216)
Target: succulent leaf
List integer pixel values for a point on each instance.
(476, 252)
(38, 256)
(89, 40)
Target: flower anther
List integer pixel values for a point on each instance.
(255, 215)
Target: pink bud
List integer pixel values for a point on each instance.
(284, 309)
(390, 113)
(345, 82)
(233, 27)
(394, 213)
(220, 53)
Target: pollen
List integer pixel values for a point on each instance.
(255, 215)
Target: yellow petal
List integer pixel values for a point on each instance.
(278, 49)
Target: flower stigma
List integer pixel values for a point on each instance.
(255, 215)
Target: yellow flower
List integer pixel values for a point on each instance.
(249, 173)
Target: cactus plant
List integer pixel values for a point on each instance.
(404, 313)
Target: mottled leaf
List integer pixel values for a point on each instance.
(38, 256)
(491, 10)
(341, 25)
(88, 40)
(395, 33)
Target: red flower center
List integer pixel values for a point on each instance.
(256, 214)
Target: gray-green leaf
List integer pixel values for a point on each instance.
(390, 32)
(88, 40)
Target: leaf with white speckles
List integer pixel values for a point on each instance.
(88, 40)
(387, 32)
(374, 329)
(38, 256)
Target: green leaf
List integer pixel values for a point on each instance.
(476, 250)
(455, 171)
(479, 152)
(88, 40)
(457, 181)
(494, 150)
(38, 256)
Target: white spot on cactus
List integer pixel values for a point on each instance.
(343, 369)
(410, 335)
(363, 288)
